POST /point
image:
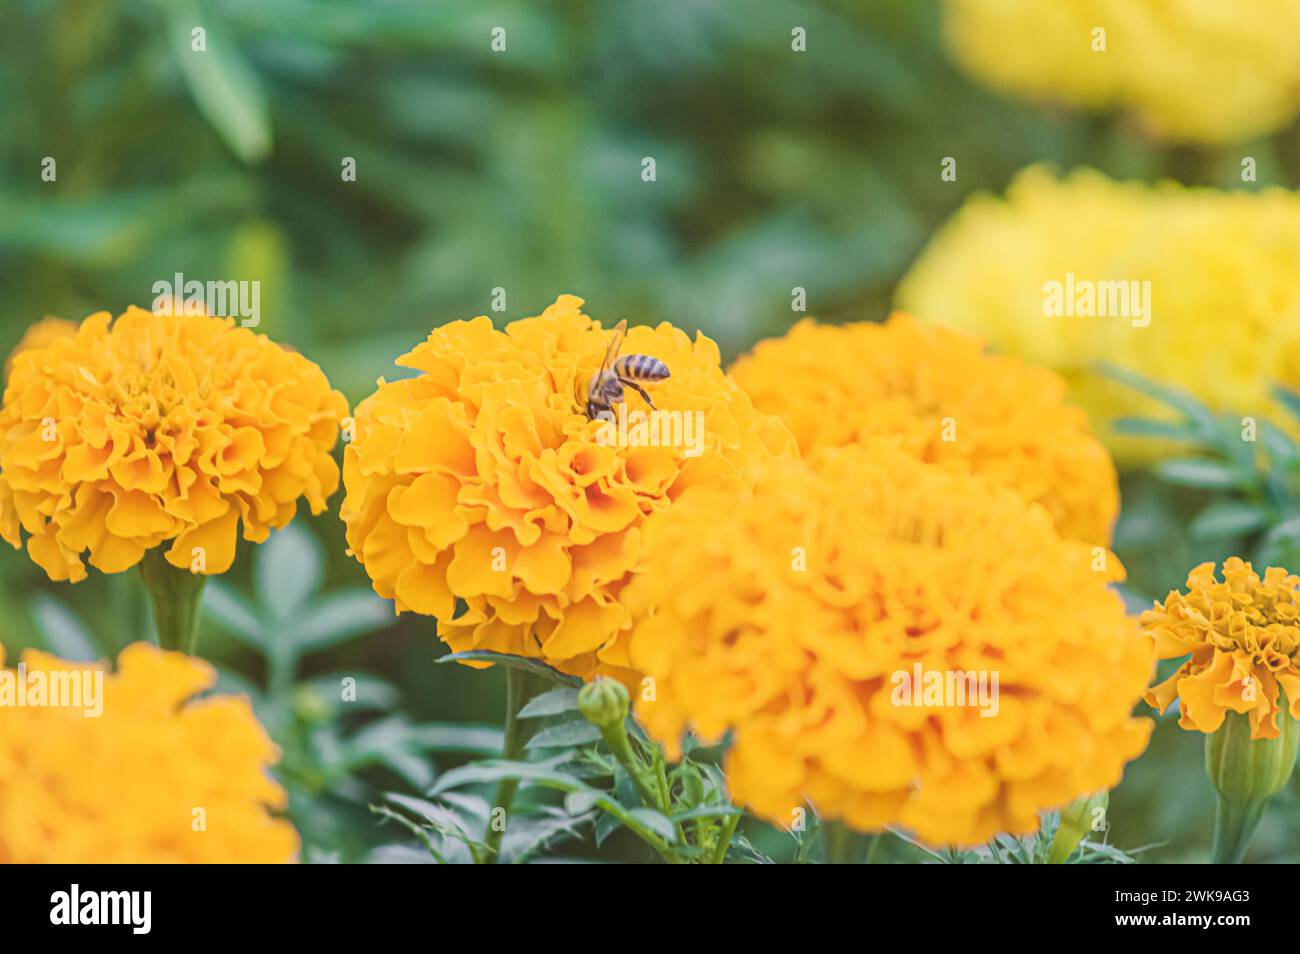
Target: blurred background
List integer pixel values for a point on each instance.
(519, 169)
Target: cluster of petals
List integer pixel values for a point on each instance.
(480, 493)
(154, 429)
(154, 777)
(810, 619)
(1241, 637)
(1196, 70)
(948, 401)
(1190, 287)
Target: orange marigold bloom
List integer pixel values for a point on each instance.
(148, 429)
(1242, 636)
(800, 618)
(124, 787)
(44, 332)
(482, 480)
(949, 401)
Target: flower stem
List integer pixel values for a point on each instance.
(176, 594)
(520, 687)
(725, 834)
(1234, 824)
(845, 846)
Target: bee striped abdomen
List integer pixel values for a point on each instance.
(640, 367)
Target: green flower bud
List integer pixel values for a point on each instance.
(1077, 819)
(1246, 773)
(604, 702)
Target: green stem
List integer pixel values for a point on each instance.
(520, 687)
(1234, 824)
(845, 846)
(724, 838)
(176, 595)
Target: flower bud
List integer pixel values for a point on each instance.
(1246, 773)
(1077, 819)
(603, 702)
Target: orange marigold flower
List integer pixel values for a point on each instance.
(148, 429)
(1242, 637)
(835, 620)
(949, 401)
(482, 479)
(45, 331)
(124, 787)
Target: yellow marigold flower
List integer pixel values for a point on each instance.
(1242, 636)
(124, 787)
(799, 619)
(483, 480)
(148, 429)
(44, 332)
(949, 401)
(1195, 70)
(1224, 317)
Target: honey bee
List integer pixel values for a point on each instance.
(606, 386)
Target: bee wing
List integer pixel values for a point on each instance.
(615, 342)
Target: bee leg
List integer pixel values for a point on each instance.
(642, 391)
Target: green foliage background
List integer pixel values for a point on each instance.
(518, 170)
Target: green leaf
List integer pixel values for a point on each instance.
(565, 735)
(554, 702)
(1289, 400)
(233, 613)
(453, 737)
(1199, 417)
(1229, 518)
(225, 88)
(657, 822)
(648, 828)
(1197, 472)
(64, 633)
(513, 662)
(288, 569)
(338, 617)
(372, 692)
(1150, 427)
(579, 803)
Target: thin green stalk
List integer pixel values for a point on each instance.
(520, 687)
(845, 846)
(725, 835)
(176, 595)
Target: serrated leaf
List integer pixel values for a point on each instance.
(552, 702)
(1196, 472)
(513, 662)
(64, 633)
(288, 569)
(564, 735)
(1228, 518)
(657, 822)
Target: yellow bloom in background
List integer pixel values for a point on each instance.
(949, 401)
(799, 618)
(1243, 638)
(157, 778)
(46, 331)
(1194, 70)
(157, 429)
(1224, 316)
(481, 479)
